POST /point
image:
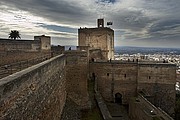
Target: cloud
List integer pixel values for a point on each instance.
(136, 22)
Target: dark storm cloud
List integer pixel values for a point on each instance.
(138, 21)
(133, 20)
(164, 25)
(105, 1)
(59, 28)
(65, 11)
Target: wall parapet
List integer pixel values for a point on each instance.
(37, 92)
(140, 108)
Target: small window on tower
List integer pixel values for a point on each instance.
(125, 75)
(107, 74)
(149, 77)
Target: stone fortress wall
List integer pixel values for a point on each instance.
(141, 109)
(12, 51)
(40, 91)
(8, 45)
(126, 79)
(38, 44)
(10, 57)
(98, 38)
(77, 77)
(156, 81)
(37, 92)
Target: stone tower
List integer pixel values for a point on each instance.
(98, 38)
(45, 42)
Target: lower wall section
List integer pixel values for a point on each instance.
(37, 92)
(161, 95)
(71, 110)
(141, 109)
(76, 77)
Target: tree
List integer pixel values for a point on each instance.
(14, 34)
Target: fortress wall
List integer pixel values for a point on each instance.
(9, 57)
(45, 42)
(141, 109)
(100, 71)
(82, 38)
(57, 50)
(95, 54)
(161, 95)
(26, 45)
(98, 38)
(95, 38)
(158, 82)
(125, 80)
(157, 73)
(77, 76)
(115, 78)
(37, 92)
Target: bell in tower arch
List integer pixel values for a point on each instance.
(100, 23)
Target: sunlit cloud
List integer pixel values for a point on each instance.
(136, 22)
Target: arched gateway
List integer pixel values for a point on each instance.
(118, 98)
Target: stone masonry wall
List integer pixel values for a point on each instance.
(98, 38)
(115, 78)
(95, 54)
(37, 92)
(24, 45)
(9, 57)
(76, 76)
(157, 81)
(141, 109)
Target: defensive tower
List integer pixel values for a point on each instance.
(98, 38)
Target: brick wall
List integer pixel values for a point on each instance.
(37, 92)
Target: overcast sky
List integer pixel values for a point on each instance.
(154, 23)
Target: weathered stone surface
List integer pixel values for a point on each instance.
(37, 92)
(127, 78)
(98, 38)
(141, 109)
(76, 77)
(115, 78)
(71, 110)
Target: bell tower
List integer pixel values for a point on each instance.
(100, 23)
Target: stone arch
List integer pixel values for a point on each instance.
(118, 98)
